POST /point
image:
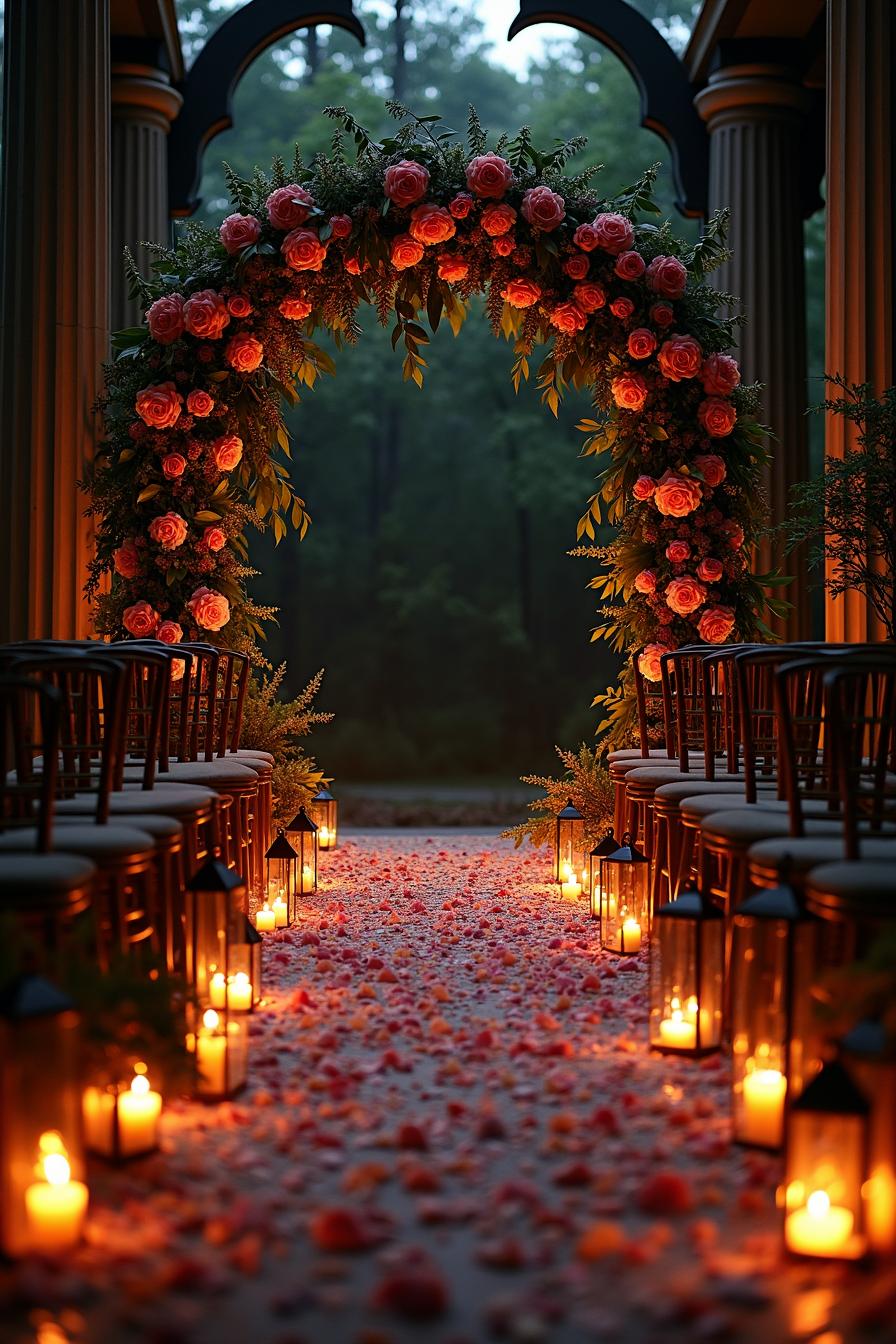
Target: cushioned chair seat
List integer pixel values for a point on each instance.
(684, 788)
(622, 769)
(251, 754)
(748, 824)
(210, 773)
(21, 874)
(170, 799)
(810, 852)
(155, 824)
(702, 803)
(96, 842)
(869, 880)
(634, 754)
(665, 774)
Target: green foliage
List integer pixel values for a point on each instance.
(586, 782)
(274, 725)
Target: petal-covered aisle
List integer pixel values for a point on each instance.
(453, 1132)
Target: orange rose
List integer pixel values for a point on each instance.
(710, 570)
(227, 451)
(206, 315)
(718, 417)
(452, 268)
(431, 224)
(126, 559)
(303, 250)
(244, 353)
(716, 624)
(649, 662)
(712, 468)
(644, 488)
(169, 530)
(173, 465)
(629, 391)
(214, 538)
(498, 219)
(641, 343)
(589, 296)
(720, 375)
(521, 293)
(645, 582)
(159, 406)
(685, 595)
(676, 496)
(680, 357)
(140, 620)
(406, 252)
(169, 632)
(209, 609)
(200, 403)
(295, 309)
(568, 317)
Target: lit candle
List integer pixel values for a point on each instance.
(307, 877)
(211, 1055)
(264, 920)
(55, 1204)
(280, 913)
(676, 1030)
(585, 881)
(571, 890)
(629, 936)
(98, 1110)
(821, 1228)
(763, 1108)
(608, 907)
(325, 837)
(239, 993)
(217, 990)
(138, 1116)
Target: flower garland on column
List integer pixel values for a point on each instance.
(415, 225)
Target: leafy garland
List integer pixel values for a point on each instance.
(414, 225)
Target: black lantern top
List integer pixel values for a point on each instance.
(302, 822)
(570, 812)
(250, 933)
(627, 852)
(215, 876)
(608, 845)
(831, 1092)
(281, 848)
(32, 996)
(690, 905)
(774, 903)
(323, 795)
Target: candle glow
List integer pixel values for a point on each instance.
(55, 1204)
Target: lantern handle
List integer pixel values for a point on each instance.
(626, 839)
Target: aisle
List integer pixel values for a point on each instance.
(453, 1133)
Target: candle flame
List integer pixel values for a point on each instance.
(139, 1084)
(57, 1170)
(818, 1204)
(241, 978)
(210, 1019)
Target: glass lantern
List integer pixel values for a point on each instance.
(43, 1197)
(121, 1120)
(569, 854)
(826, 1167)
(323, 810)
(302, 835)
(772, 965)
(217, 973)
(624, 904)
(252, 942)
(281, 861)
(686, 976)
(608, 845)
(870, 1056)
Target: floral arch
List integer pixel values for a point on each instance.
(196, 449)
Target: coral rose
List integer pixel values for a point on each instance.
(630, 266)
(712, 468)
(641, 343)
(206, 315)
(169, 530)
(576, 267)
(685, 595)
(431, 224)
(498, 219)
(614, 232)
(662, 314)
(710, 570)
(521, 293)
(629, 391)
(227, 452)
(676, 496)
(209, 609)
(735, 534)
(461, 205)
(720, 375)
(244, 353)
(452, 268)
(214, 539)
(173, 465)
(645, 582)
(644, 488)
(717, 416)
(341, 226)
(303, 250)
(238, 232)
(503, 246)
(405, 182)
(200, 403)
(680, 357)
(406, 252)
(568, 317)
(126, 559)
(159, 405)
(238, 306)
(622, 308)
(649, 662)
(289, 206)
(716, 624)
(169, 632)
(586, 237)
(140, 620)
(677, 552)
(589, 295)
(489, 175)
(667, 276)
(165, 318)
(543, 208)
(353, 265)
(295, 309)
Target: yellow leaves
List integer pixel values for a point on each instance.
(148, 492)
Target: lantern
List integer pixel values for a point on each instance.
(302, 835)
(687, 957)
(825, 1167)
(624, 903)
(569, 856)
(217, 972)
(121, 1120)
(870, 1056)
(280, 880)
(772, 970)
(43, 1198)
(608, 845)
(323, 810)
(252, 941)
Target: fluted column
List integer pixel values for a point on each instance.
(860, 233)
(754, 114)
(54, 304)
(144, 104)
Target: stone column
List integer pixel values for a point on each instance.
(54, 304)
(144, 104)
(754, 114)
(860, 232)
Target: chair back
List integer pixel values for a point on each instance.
(652, 709)
(234, 682)
(861, 705)
(148, 707)
(29, 746)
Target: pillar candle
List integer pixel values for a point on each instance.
(264, 920)
(56, 1205)
(280, 913)
(138, 1117)
(763, 1107)
(211, 1055)
(821, 1228)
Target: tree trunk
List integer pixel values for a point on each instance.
(399, 67)
(312, 54)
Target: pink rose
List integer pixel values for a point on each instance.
(461, 205)
(173, 465)
(200, 403)
(209, 609)
(622, 308)
(629, 391)
(289, 206)
(649, 662)
(169, 531)
(667, 276)
(685, 595)
(543, 208)
(521, 293)
(498, 219)
(710, 570)
(645, 582)
(720, 375)
(589, 296)
(165, 319)
(140, 620)
(662, 314)
(644, 488)
(586, 237)
(406, 182)
(576, 267)
(214, 539)
(295, 309)
(489, 175)
(676, 496)
(716, 624)
(717, 417)
(227, 452)
(629, 266)
(238, 232)
(452, 268)
(677, 552)
(126, 559)
(680, 357)
(568, 317)
(431, 224)
(641, 343)
(206, 315)
(169, 632)
(159, 406)
(406, 252)
(712, 468)
(244, 353)
(341, 226)
(303, 250)
(503, 246)
(614, 233)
